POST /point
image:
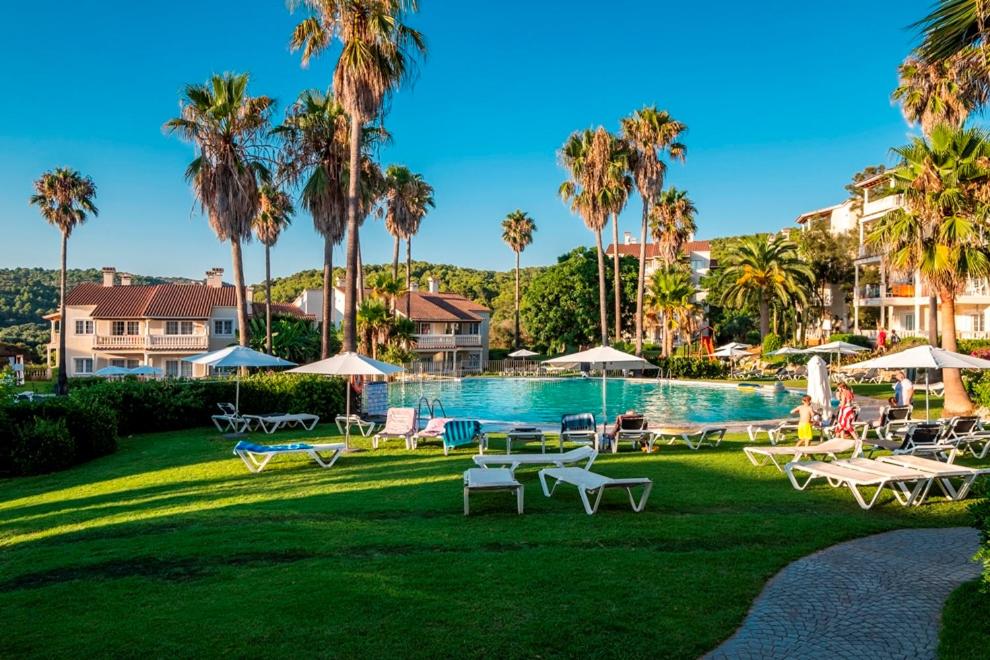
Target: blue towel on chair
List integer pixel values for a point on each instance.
(268, 449)
(578, 422)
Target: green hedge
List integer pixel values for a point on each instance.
(849, 338)
(684, 367)
(53, 434)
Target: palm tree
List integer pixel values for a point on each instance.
(419, 202)
(672, 223)
(954, 26)
(592, 177)
(669, 300)
(373, 319)
(762, 270)
(517, 232)
(385, 287)
(615, 196)
(65, 198)
(314, 153)
(399, 190)
(374, 60)
(228, 128)
(274, 215)
(650, 133)
(940, 232)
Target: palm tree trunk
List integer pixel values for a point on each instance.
(350, 276)
(956, 400)
(243, 331)
(329, 293)
(764, 316)
(933, 321)
(641, 280)
(395, 257)
(515, 340)
(360, 270)
(615, 273)
(408, 276)
(601, 286)
(62, 384)
(268, 299)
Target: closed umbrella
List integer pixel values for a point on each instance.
(818, 387)
(603, 357)
(923, 357)
(236, 357)
(348, 364)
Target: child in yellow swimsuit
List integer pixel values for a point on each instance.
(805, 431)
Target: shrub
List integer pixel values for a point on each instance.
(859, 340)
(971, 345)
(690, 367)
(771, 343)
(43, 446)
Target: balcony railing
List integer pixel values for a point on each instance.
(151, 342)
(881, 204)
(448, 341)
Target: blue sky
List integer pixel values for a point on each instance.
(784, 102)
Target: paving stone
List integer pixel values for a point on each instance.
(877, 597)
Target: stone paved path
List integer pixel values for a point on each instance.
(875, 597)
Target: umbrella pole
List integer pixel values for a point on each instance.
(347, 422)
(237, 394)
(927, 414)
(604, 413)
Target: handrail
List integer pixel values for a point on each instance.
(419, 407)
(433, 407)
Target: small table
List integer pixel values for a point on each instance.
(491, 479)
(524, 434)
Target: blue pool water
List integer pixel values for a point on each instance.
(543, 401)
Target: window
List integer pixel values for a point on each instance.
(133, 328)
(185, 369)
(223, 327)
(83, 365)
(117, 328)
(178, 369)
(908, 322)
(124, 364)
(178, 327)
(424, 329)
(84, 327)
(979, 323)
(697, 263)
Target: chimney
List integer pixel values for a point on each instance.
(434, 285)
(125, 279)
(249, 295)
(339, 283)
(214, 277)
(627, 238)
(414, 286)
(108, 275)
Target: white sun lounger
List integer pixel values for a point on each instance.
(229, 421)
(513, 461)
(476, 479)
(941, 473)
(273, 422)
(860, 473)
(829, 449)
(693, 439)
(591, 483)
(774, 433)
(364, 426)
(399, 423)
(256, 457)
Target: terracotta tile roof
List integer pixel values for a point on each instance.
(652, 250)
(426, 306)
(186, 301)
(283, 309)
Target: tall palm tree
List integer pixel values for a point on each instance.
(517, 232)
(399, 190)
(274, 215)
(376, 54)
(385, 287)
(587, 158)
(669, 301)
(954, 26)
(672, 223)
(314, 154)
(373, 319)
(762, 270)
(614, 197)
(940, 234)
(650, 133)
(419, 202)
(229, 129)
(65, 198)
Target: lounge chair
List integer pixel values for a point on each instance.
(591, 483)
(256, 457)
(513, 461)
(968, 435)
(274, 421)
(894, 421)
(399, 423)
(775, 433)
(229, 421)
(457, 433)
(693, 439)
(365, 427)
(941, 473)
(866, 376)
(476, 479)
(632, 428)
(432, 430)
(906, 484)
(920, 438)
(580, 428)
(828, 449)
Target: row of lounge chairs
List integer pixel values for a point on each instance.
(231, 421)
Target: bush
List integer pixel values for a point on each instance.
(691, 367)
(771, 343)
(971, 345)
(44, 446)
(859, 340)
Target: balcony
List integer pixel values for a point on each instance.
(881, 205)
(447, 341)
(151, 342)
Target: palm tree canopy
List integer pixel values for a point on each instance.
(765, 267)
(228, 128)
(598, 184)
(377, 47)
(403, 199)
(952, 26)
(651, 133)
(672, 222)
(517, 230)
(65, 198)
(670, 294)
(940, 91)
(274, 214)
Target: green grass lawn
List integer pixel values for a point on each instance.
(171, 547)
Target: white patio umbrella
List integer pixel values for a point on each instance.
(923, 357)
(731, 351)
(238, 356)
(604, 357)
(108, 372)
(818, 387)
(836, 348)
(787, 350)
(522, 353)
(348, 364)
(732, 345)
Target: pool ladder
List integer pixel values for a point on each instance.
(431, 407)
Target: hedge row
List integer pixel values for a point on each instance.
(691, 367)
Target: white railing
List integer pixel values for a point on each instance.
(152, 342)
(118, 341)
(181, 342)
(881, 204)
(448, 341)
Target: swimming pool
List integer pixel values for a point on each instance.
(544, 400)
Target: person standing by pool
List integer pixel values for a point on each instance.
(805, 430)
(903, 389)
(846, 414)
(881, 339)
